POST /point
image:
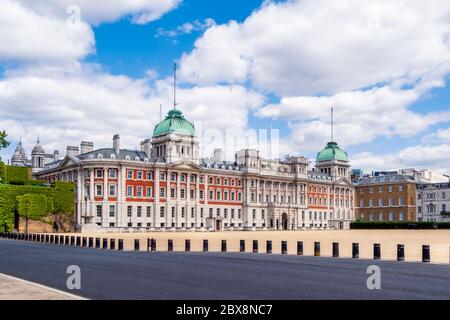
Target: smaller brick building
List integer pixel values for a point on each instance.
(385, 198)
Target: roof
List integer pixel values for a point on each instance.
(174, 123)
(391, 178)
(332, 152)
(110, 153)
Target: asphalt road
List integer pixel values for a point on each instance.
(139, 275)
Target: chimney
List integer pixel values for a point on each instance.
(146, 146)
(56, 155)
(116, 143)
(86, 147)
(218, 154)
(73, 151)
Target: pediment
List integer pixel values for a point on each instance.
(344, 181)
(184, 165)
(68, 161)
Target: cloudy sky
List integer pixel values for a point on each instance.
(73, 70)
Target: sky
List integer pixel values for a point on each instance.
(73, 70)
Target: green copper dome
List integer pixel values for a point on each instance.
(332, 152)
(174, 123)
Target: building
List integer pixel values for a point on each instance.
(433, 202)
(390, 197)
(38, 157)
(166, 186)
(425, 175)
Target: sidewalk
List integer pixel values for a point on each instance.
(12, 288)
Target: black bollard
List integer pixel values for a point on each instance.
(268, 246)
(149, 244)
(120, 246)
(47, 238)
(355, 250)
(84, 240)
(242, 246)
(91, 242)
(52, 239)
(299, 248)
(400, 252)
(136, 245)
(376, 251)
(72, 240)
(205, 245)
(112, 244)
(187, 245)
(56, 239)
(61, 240)
(316, 249)
(97, 243)
(425, 253)
(255, 246)
(283, 247)
(170, 245)
(224, 246)
(153, 243)
(105, 243)
(335, 249)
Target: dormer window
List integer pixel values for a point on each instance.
(100, 156)
(112, 156)
(127, 158)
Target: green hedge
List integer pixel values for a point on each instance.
(14, 174)
(399, 225)
(34, 206)
(61, 193)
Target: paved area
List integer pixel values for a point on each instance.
(138, 275)
(438, 240)
(12, 288)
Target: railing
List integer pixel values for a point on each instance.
(445, 213)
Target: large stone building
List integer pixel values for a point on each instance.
(433, 202)
(390, 197)
(167, 186)
(38, 157)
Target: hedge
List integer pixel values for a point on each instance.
(399, 225)
(34, 206)
(61, 193)
(14, 174)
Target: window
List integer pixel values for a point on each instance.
(361, 203)
(182, 193)
(371, 217)
(391, 216)
(400, 188)
(139, 175)
(202, 194)
(139, 211)
(112, 210)
(161, 212)
(173, 177)
(172, 192)
(99, 211)
(380, 202)
(98, 190)
(370, 203)
(149, 192)
(99, 173)
(149, 175)
(192, 194)
(129, 191)
(192, 212)
(400, 216)
(139, 191)
(112, 173)
(162, 176)
(129, 174)
(129, 211)
(202, 179)
(149, 212)
(173, 212)
(192, 178)
(400, 201)
(389, 188)
(183, 178)
(182, 212)
(211, 181)
(218, 193)
(162, 192)
(112, 190)
(380, 216)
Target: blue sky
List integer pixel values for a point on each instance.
(243, 64)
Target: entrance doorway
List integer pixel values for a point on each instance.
(284, 221)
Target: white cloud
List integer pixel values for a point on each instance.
(96, 12)
(28, 36)
(360, 116)
(433, 157)
(319, 46)
(88, 104)
(186, 28)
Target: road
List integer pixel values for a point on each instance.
(141, 275)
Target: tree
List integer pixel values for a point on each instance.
(3, 142)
